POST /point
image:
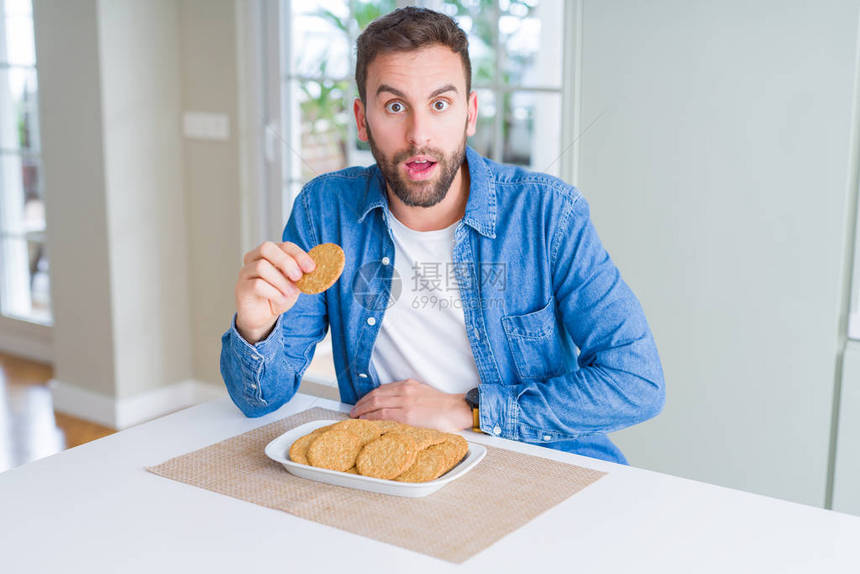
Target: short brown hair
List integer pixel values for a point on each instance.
(404, 30)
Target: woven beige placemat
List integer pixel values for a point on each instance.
(502, 493)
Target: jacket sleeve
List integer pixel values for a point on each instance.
(618, 379)
(261, 378)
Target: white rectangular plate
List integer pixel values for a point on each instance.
(279, 449)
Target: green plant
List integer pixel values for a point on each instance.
(325, 102)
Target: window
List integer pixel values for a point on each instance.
(516, 52)
(321, 87)
(24, 283)
(515, 48)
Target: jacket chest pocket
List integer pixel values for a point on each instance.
(535, 343)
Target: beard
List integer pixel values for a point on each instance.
(419, 193)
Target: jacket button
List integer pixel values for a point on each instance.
(371, 321)
(386, 260)
(497, 430)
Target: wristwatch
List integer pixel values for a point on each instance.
(473, 400)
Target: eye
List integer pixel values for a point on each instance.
(440, 105)
(394, 107)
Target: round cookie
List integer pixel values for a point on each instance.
(458, 442)
(364, 429)
(424, 437)
(388, 426)
(334, 449)
(388, 456)
(437, 459)
(329, 259)
(429, 464)
(299, 448)
(454, 449)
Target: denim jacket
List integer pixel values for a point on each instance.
(561, 343)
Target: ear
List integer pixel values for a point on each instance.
(472, 110)
(360, 119)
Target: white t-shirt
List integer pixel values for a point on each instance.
(423, 334)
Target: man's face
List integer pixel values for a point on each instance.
(416, 119)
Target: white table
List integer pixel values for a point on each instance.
(95, 509)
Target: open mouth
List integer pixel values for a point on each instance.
(420, 169)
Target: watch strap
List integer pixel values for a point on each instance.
(473, 400)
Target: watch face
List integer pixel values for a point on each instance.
(472, 398)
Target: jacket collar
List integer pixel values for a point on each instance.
(480, 208)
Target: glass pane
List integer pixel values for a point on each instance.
(18, 93)
(482, 141)
(527, 114)
(33, 214)
(361, 154)
(325, 116)
(20, 47)
(18, 8)
(321, 39)
(530, 33)
(324, 34)
(366, 11)
(475, 17)
(22, 209)
(26, 284)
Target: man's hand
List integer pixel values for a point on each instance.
(416, 404)
(266, 287)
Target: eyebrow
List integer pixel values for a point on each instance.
(399, 94)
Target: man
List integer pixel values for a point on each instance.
(469, 286)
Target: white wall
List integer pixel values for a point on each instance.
(719, 180)
(141, 110)
(74, 174)
(846, 492)
(212, 186)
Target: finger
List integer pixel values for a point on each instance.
(376, 403)
(299, 255)
(281, 260)
(363, 405)
(252, 255)
(393, 414)
(263, 289)
(263, 269)
(382, 390)
(257, 252)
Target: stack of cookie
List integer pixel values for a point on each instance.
(381, 449)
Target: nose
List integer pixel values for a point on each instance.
(418, 131)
